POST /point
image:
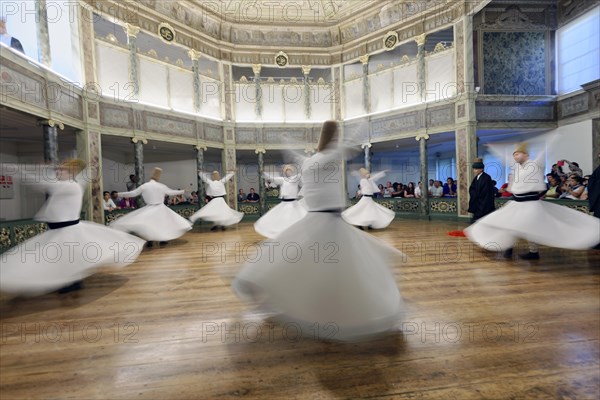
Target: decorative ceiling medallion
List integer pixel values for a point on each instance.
(390, 40)
(281, 59)
(166, 32)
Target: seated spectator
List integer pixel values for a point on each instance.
(557, 170)
(194, 198)
(178, 199)
(398, 189)
(241, 196)
(388, 190)
(553, 191)
(252, 197)
(409, 190)
(380, 193)
(573, 189)
(437, 190)
(450, 188)
(358, 193)
(495, 189)
(108, 203)
(9, 40)
(114, 195)
(585, 194)
(418, 191)
(430, 186)
(563, 179)
(503, 191)
(127, 202)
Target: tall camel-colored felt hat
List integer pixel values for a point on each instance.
(156, 174)
(521, 148)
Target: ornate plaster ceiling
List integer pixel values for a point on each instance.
(285, 12)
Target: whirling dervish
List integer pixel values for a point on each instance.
(70, 250)
(155, 221)
(327, 277)
(217, 211)
(286, 213)
(527, 217)
(367, 213)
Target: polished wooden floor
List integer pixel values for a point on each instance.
(169, 327)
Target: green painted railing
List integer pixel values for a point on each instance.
(18, 231)
(14, 232)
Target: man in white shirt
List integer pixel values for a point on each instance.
(418, 192)
(109, 204)
(437, 190)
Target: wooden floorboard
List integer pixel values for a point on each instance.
(475, 326)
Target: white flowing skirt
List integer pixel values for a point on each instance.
(59, 257)
(218, 212)
(155, 222)
(539, 222)
(368, 213)
(280, 218)
(324, 274)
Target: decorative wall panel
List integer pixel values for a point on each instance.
(514, 63)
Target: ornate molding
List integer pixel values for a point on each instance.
(166, 32)
(199, 147)
(404, 122)
(568, 10)
(514, 111)
(51, 123)
(422, 136)
(260, 151)
(194, 54)
(364, 59)
(135, 140)
(421, 39)
(440, 116)
(367, 145)
(513, 18)
(256, 68)
(306, 69)
(390, 40)
(573, 105)
(199, 26)
(131, 30)
(281, 59)
(112, 38)
(160, 123)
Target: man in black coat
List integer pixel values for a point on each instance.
(481, 192)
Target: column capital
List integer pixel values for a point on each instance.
(137, 139)
(256, 68)
(131, 30)
(200, 147)
(366, 145)
(364, 59)
(259, 151)
(420, 39)
(194, 54)
(306, 69)
(421, 136)
(309, 150)
(51, 123)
